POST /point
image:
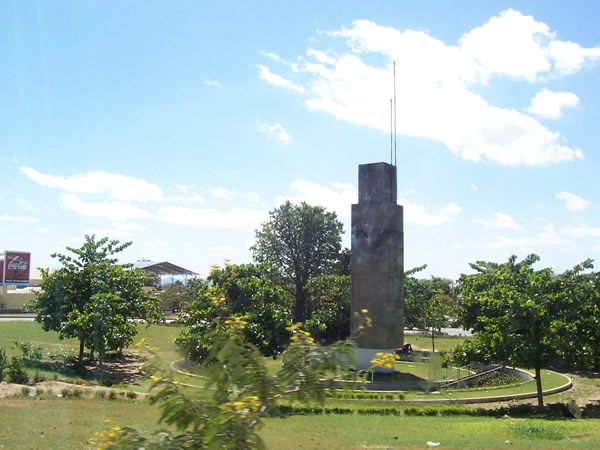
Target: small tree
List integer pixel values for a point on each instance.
(236, 290)
(92, 298)
(240, 392)
(436, 312)
(515, 313)
(301, 242)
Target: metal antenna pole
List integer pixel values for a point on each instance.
(391, 132)
(395, 154)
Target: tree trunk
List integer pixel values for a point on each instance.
(432, 340)
(299, 307)
(538, 384)
(81, 351)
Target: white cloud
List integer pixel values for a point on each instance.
(250, 196)
(500, 241)
(156, 243)
(581, 231)
(474, 187)
(417, 214)
(43, 230)
(272, 56)
(222, 193)
(119, 187)
(435, 82)
(337, 198)
(278, 80)
(573, 202)
(109, 232)
(213, 83)
(275, 131)
(547, 237)
(104, 210)
(550, 104)
(569, 57)
(234, 219)
(192, 198)
(128, 226)
(320, 56)
(499, 220)
(19, 219)
(26, 204)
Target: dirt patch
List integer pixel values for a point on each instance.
(126, 370)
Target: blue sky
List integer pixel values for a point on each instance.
(179, 125)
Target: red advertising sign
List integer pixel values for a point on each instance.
(16, 267)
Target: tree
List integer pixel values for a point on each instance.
(329, 306)
(173, 296)
(235, 291)
(302, 242)
(515, 313)
(578, 309)
(93, 299)
(436, 314)
(239, 393)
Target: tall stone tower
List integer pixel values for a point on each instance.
(377, 263)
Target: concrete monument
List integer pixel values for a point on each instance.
(377, 263)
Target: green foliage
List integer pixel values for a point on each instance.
(92, 298)
(329, 306)
(388, 411)
(16, 371)
(519, 315)
(30, 355)
(173, 296)
(234, 291)
(427, 302)
(3, 363)
(302, 242)
(240, 392)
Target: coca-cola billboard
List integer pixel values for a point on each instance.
(16, 267)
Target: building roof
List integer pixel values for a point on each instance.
(163, 268)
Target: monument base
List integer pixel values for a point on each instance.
(364, 356)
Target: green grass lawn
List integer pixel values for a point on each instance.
(52, 422)
(60, 423)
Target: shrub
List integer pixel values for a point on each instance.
(16, 373)
(31, 355)
(3, 363)
(101, 394)
(338, 410)
(413, 411)
(430, 411)
(112, 395)
(389, 411)
(452, 411)
(25, 391)
(131, 395)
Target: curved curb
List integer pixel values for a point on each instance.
(499, 398)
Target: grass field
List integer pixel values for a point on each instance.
(57, 424)
(48, 421)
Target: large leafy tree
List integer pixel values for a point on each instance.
(517, 314)
(302, 242)
(329, 306)
(236, 291)
(93, 299)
